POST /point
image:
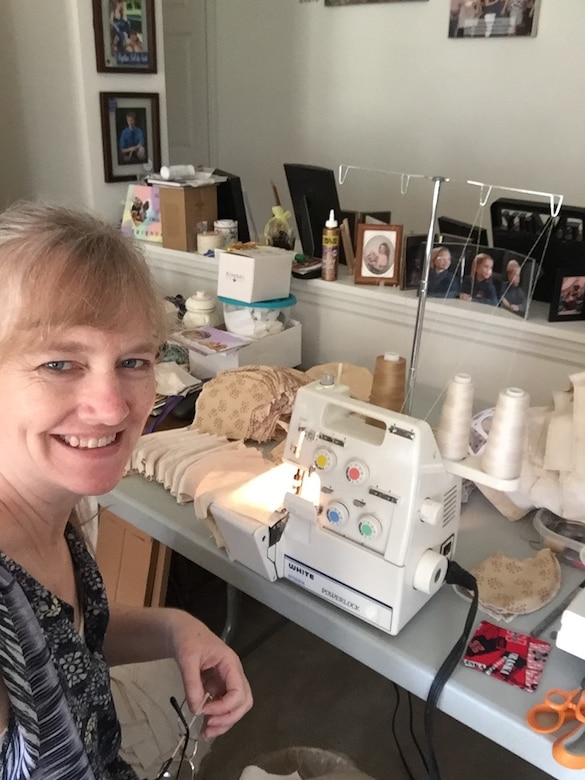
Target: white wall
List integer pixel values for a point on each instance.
(376, 85)
(382, 86)
(50, 133)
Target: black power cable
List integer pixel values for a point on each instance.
(456, 575)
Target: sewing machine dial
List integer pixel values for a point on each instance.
(337, 513)
(356, 472)
(369, 527)
(324, 459)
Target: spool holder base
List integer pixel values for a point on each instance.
(469, 468)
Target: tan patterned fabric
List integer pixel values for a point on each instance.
(509, 586)
(247, 403)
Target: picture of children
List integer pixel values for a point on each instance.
(441, 283)
(513, 296)
(119, 28)
(379, 256)
(572, 296)
(478, 286)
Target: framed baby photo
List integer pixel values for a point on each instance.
(568, 301)
(130, 134)
(378, 253)
(125, 38)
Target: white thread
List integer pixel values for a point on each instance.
(455, 421)
(504, 449)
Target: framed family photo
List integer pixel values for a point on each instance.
(379, 249)
(130, 134)
(493, 18)
(361, 2)
(568, 301)
(125, 39)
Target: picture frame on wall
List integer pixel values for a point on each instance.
(493, 18)
(125, 36)
(361, 2)
(568, 301)
(379, 249)
(130, 134)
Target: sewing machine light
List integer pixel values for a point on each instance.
(263, 495)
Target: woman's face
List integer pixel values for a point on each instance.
(72, 409)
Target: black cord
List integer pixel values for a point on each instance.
(456, 575)
(395, 734)
(413, 735)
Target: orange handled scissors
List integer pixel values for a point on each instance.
(560, 707)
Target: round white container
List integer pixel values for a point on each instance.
(201, 311)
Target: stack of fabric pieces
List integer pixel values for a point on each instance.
(167, 457)
(248, 403)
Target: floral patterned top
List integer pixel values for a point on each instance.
(81, 669)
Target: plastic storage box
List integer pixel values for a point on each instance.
(257, 320)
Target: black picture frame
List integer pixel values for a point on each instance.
(568, 301)
(116, 109)
(125, 36)
(527, 228)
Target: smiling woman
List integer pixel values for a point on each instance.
(80, 327)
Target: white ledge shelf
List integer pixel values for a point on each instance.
(354, 322)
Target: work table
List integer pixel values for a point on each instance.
(412, 658)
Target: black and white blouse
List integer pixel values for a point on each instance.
(63, 723)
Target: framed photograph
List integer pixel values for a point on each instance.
(360, 2)
(379, 249)
(493, 18)
(414, 257)
(498, 277)
(125, 39)
(130, 134)
(568, 301)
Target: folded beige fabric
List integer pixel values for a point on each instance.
(510, 586)
(247, 403)
(168, 457)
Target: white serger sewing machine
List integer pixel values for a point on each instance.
(363, 512)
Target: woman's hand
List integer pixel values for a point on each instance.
(207, 664)
(209, 667)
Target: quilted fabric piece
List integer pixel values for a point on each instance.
(247, 403)
(510, 586)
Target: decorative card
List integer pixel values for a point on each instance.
(141, 218)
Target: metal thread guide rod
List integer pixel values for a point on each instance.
(555, 202)
(422, 299)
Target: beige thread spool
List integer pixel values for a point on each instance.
(452, 433)
(504, 449)
(389, 381)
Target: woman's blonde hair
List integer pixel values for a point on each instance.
(63, 268)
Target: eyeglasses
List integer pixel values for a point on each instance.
(180, 766)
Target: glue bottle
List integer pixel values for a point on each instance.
(330, 253)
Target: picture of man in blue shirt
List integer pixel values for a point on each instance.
(132, 147)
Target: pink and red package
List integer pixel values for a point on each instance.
(517, 659)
